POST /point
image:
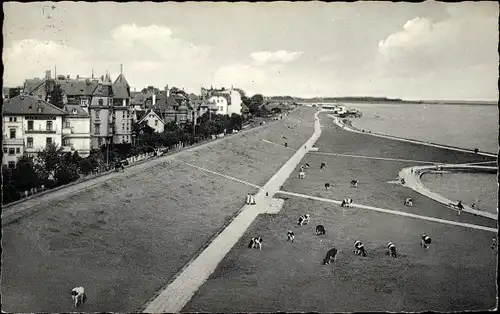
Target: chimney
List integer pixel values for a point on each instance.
(47, 75)
(154, 99)
(167, 92)
(102, 78)
(67, 77)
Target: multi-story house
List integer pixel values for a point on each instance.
(76, 130)
(153, 120)
(121, 119)
(226, 101)
(32, 125)
(101, 111)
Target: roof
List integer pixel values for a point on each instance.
(165, 103)
(78, 87)
(120, 91)
(80, 113)
(30, 85)
(244, 108)
(147, 114)
(103, 90)
(121, 80)
(140, 114)
(29, 105)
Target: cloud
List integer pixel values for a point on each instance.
(152, 53)
(282, 56)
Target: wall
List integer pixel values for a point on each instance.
(151, 118)
(79, 138)
(17, 143)
(236, 102)
(221, 103)
(40, 134)
(123, 125)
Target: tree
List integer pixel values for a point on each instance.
(9, 191)
(13, 92)
(85, 166)
(24, 176)
(235, 122)
(56, 96)
(48, 161)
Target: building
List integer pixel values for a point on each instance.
(76, 130)
(227, 101)
(30, 124)
(153, 120)
(101, 111)
(121, 119)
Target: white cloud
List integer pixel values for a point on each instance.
(283, 56)
(151, 53)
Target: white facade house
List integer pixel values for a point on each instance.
(220, 102)
(154, 121)
(226, 101)
(236, 103)
(76, 130)
(33, 124)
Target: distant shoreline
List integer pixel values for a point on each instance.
(397, 102)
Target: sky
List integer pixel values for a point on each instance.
(429, 50)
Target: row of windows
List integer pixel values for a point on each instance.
(12, 151)
(12, 119)
(29, 140)
(97, 128)
(125, 114)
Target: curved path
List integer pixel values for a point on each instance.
(412, 180)
(412, 176)
(176, 295)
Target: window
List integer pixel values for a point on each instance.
(10, 119)
(12, 164)
(12, 151)
(12, 133)
(49, 125)
(67, 125)
(5, 150)
(97, 129)
(18, 150)
(97, 113)
(15, 119)
(29, 142)
(156, 122)
(48, 141)
(123, 126)
(30, 125)
(123, 114)
(101, 102)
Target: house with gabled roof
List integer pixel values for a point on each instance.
(30, 124)
(153, 120)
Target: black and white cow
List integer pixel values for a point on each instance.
(327, 186)
(290, 235)
(255, 243)
(346, 202)
(323, 165)
(425, 241)
(408, 202)
(330, 256)
(303, 220)
(391, 249)
(354, 183)
(320, 230)
(78, 295)
(359, 248)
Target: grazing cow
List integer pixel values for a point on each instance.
(391, 249)
(327, 186)
(78, 295)
(425, 241)
(354, 183)
(320, 230)
(346, 202)
(290, 235)
(323, 165)
(255, 243)
(302, 175)
(408, 202)
(330, 256)
(303, 220)
(359, 248)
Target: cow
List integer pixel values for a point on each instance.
(354, 183)
(78, 295)
(323, 165)
(391, 249)
(290, 236)
(359, 248)
(408, 202)
(302, 175)
(327, 186)
(303, 220)
(346, 202)
(255, 243)
(320, 230)
(330, 256)
(425, 241)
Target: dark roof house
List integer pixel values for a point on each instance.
(29, 105)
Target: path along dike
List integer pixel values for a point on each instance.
(178, 293)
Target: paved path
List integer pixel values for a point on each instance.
(16, 211)
(411, 175)
(393, 212)
(376, 158)
(180, 291)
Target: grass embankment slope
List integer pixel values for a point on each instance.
(457, 273)
(123, 240)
